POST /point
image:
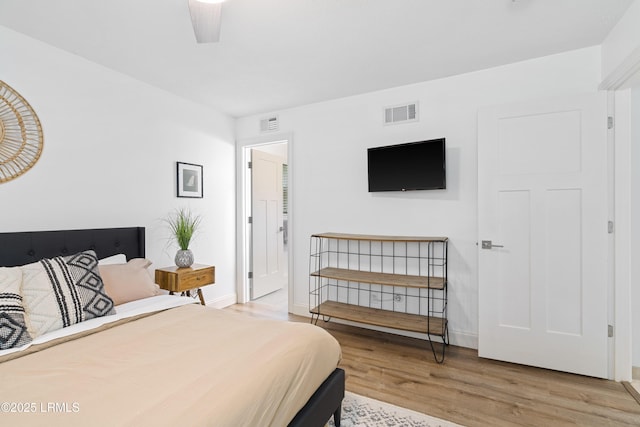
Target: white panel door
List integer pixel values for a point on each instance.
(267, 231)
(542, 197)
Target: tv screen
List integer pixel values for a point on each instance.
(405, 167)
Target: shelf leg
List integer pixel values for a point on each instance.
(446, 335)
(435, 354)
(445, 344)
(316, 316)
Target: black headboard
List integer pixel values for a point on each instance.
(26, 247)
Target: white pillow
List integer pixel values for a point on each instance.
(113, 259)
(62, 291)
(13, 327)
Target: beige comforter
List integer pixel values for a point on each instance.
(188, 366)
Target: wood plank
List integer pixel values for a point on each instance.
(347, 236)
(404, 280)
(378, 317)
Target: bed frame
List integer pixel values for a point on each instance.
(26, 247)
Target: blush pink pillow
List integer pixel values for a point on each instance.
(128, 282)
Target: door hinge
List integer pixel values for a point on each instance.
(610, 227)
(250, 275)
(250, 220)
(249, 165)
(610, 331)
(610, 122)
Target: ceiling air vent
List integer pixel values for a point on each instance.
(401, 113)
(269, 124)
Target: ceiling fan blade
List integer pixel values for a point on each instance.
(205, 18)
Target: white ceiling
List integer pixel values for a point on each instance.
(275, 54)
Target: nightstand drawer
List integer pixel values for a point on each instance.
(195, 279)
(175, 279)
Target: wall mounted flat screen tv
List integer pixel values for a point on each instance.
(406, 167)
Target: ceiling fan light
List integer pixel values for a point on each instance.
(205, 18)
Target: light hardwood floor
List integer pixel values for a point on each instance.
(467, 389)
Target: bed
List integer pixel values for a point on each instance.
(162, 360)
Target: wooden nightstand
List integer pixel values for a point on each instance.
(174, 279)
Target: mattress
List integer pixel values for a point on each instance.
(188, 365)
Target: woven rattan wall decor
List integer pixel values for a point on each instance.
(20, 134)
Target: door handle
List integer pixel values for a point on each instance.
(487, 244)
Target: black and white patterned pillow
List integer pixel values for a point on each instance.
(63, 291)
(13, 328)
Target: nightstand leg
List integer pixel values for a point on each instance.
(201, 297)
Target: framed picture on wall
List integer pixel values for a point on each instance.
(189, 180)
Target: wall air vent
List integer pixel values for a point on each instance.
(269, 124)
(401, 114)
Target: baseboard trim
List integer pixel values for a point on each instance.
(457, 338)
(222, 301)
(632, 391)
(301, 310)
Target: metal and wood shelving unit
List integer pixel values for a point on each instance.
(397, 282)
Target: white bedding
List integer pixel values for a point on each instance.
(123, 311)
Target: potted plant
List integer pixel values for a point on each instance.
(183, 225)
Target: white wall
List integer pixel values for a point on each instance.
(635, 225)
(622, 41)
(329, 170)
(110, 148)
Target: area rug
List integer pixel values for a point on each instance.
(361, 411)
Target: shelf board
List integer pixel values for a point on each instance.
(379, 317)
(403, 280)
(377, 238)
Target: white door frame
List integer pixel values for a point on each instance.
(243, 235)
(618, 82)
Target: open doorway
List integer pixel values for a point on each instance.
(265, 246)
(269, 225)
